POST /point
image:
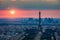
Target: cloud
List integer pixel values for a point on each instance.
(31, 4)
(49, 0)
(39, 0)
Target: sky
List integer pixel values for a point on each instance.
(29, 8)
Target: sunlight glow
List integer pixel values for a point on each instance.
(12, 12)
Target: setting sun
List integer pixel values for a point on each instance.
(12, 12)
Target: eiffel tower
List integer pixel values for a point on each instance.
(39, 26)
(41, 31)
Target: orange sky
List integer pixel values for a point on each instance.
(29, 13)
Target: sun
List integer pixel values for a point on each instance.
(12, 12)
